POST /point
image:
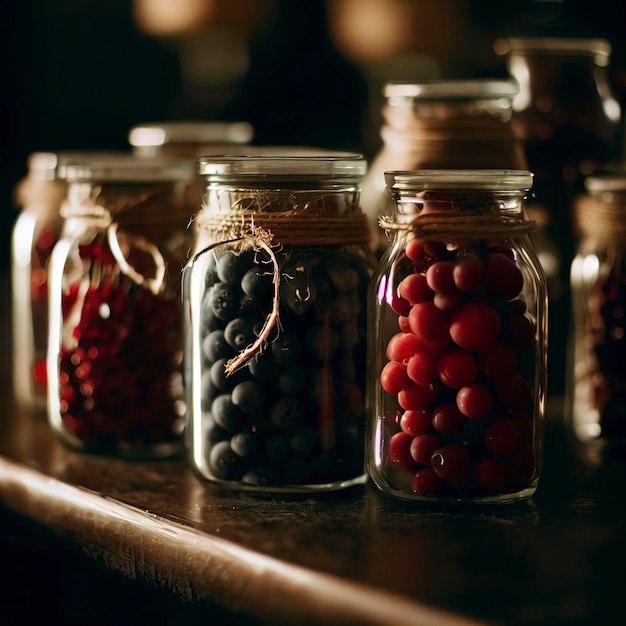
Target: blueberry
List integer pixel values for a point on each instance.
(258, 283)
(263, 367)
(261, 476)
(277, 447)
(215, 346)
(297, 290)
(250, 396)
(287, 414)
(287, 348)
(304, 443)
(245, 444)
(213, 432)
(291, 380)
(231, 266)
(208, 320)
(224, 462)
(220, 379)
(238, 333)
(208, 390)
(223, 301)
(226, 414)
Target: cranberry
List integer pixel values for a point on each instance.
(497, 362)
(447, 419)
(428, 322)
(402, 346)
(439, 276)
(491, 473)
(474, 325)
(448, 301)
(423, 447)
(415, 396)
(469, 272)
(503, 278)
(502, 437)
(415, 422)
(514, 393)
(521, 331)
(421, 367)
(394, 377)
(474, 401)
(414, 288)
(426, 482)
(400, 451)
(451, 463)
(456, 368)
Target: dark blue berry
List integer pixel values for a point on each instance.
(224, 462)
(257, 283)
(287, 348)
(291, 380)
(238, 333)
(231, 266)
(245, 444)
(223, 303)
(287, 414)
(226, 414)
(262, 476)
(251, 397)
(263, 367)
(215, 346)
(277, 447)
(322, 342)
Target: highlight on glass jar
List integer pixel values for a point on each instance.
(457, 341)
(38, 197)
(596, 382)
(275, 299)
(115, 326)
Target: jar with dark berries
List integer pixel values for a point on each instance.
(115, 326)
(275, 298)
(37, 197)
(457, 341)
(596, 386)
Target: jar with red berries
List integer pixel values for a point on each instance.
(38, 198)
(457, 342)
(596, 386)
(114, 355)
(275, 299)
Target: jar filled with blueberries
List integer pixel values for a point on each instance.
(275, 298)
(115, 344)
(596, 385)
(457, 341)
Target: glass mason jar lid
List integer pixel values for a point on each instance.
(124, 168)
(194, 132)
(451, 89)
(598, 48)
(459, 180)
(288, 167)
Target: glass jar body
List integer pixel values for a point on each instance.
(457, 349)
(36, 230)
(115, 328)
(596, 390)
(276, 343)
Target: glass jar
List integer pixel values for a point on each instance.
(276, 302)
(115, 325)
(457, 341)
(597, 378)
(189, 139)
(568, 119)
(445, 124)
(38, 197)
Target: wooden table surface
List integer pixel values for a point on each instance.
(353, 557)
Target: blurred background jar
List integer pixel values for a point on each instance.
(114, 355)
(457, 341)
(275, 305)
(187, 139)
(443, 124)
(569, 121)
(38, 197)
(597, 373)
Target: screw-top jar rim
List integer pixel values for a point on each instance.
(301, 166)
(124, 168)
(569, 46)
(458, 180)
(196, 132)
(462, 89)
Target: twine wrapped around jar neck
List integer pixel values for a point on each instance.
(148, 214)
(600, 220)
(446, 227)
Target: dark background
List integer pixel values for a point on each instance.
(77, 74)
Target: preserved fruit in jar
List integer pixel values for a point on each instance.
(457, 341)
(596, 385)
(115, 339)
(275, 299)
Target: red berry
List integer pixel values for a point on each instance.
(469, 272)
(428, 322)
(502, 437)
(497, 362)
(421, 367)
(416, 421)
(400, 451)
(474, 325)
(402, 346)
(423, 447)
(491, 472)
(415, 249)
(439, 276)
(399, 304)
(447, 419)
(403, 324)
(503, 278)
(522, 465)
(394, 377)
(521, 331)
(474, 401)
(449, 301)
(414, 288)
(426, 482)
(451, 463)
(415, 396)
(456, 368)
(514, 393)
